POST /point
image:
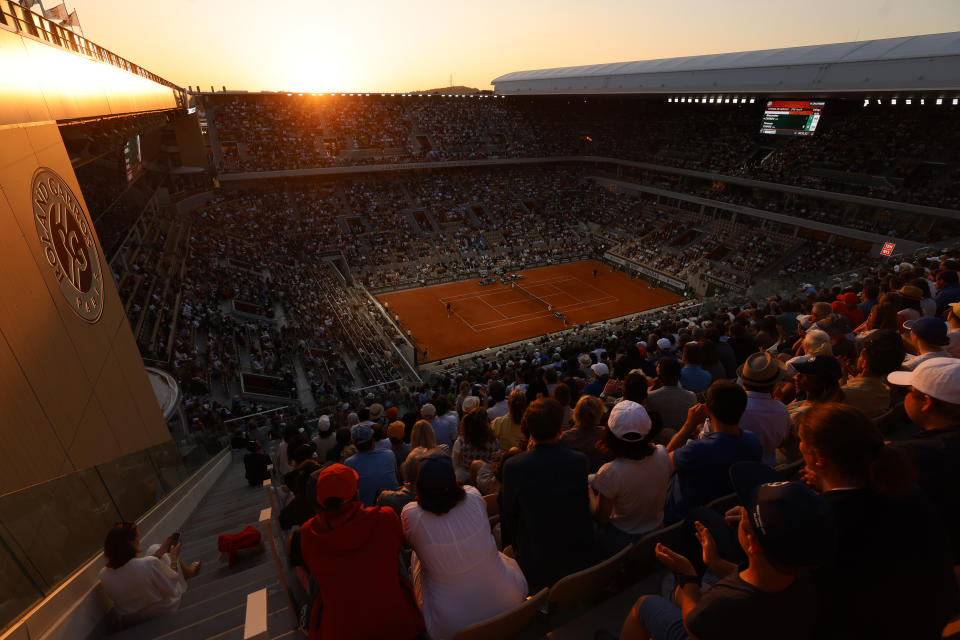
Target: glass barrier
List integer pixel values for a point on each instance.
(50, 530)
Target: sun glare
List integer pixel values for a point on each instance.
(315, 76)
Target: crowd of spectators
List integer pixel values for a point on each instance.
(880, 151)
(255, 251)
(590, 442)
(831, 413)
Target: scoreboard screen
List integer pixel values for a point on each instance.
(132, 161)
(791, 117)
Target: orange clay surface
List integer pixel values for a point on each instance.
(495, 314)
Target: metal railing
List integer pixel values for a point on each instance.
(36, 26)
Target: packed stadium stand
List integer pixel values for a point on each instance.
(315, 457)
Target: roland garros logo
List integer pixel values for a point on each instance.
(68, 243)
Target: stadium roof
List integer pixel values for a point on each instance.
(912, 63)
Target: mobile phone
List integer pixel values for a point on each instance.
(174, 539)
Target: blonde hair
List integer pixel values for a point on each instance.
(588, 412)
(422, 435)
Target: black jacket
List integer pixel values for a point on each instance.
(545, 513)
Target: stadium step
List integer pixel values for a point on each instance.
(213, 605)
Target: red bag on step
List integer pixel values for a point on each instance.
(232, 543)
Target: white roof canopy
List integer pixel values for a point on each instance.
(912, 63)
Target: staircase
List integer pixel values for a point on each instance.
(214, 605)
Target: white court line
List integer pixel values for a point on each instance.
(543, 314)
(569, 307)
(580, 305)
(501, 289)
(494, 308)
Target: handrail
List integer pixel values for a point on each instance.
(28, 22)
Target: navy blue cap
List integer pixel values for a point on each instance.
(930, 329)
(793, 525)
(820, 366)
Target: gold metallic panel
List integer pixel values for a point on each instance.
(21, 96)
(75, 383)
(42, 82)
(122, 418)
(31, 452)
(15, 146)
(128, 355)
(92, 442)
(35, 332)
(91, 345)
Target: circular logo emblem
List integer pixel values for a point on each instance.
(68, 243)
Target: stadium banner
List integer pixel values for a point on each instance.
(720, 283)
(652, 274)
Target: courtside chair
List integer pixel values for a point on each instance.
(788, 470)
(506, 625)
(583, 587)
(641, 561)
(724, 503)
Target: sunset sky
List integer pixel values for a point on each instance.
(388, 45)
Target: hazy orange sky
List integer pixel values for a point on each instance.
(388, 45)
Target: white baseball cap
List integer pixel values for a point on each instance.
(600, 369)
(663, 344)
(629, 421)
(937, 377)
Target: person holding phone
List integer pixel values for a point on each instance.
(142, 587)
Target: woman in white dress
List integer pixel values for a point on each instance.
(142, 587)
(459, 577)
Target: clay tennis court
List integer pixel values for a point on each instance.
(497, 314)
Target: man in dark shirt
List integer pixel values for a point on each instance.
(870, 295)
(783, 529)
(544, 506)
(742, 343)
(948, 290)
(255, 464)
(933, 404)
(702, 466)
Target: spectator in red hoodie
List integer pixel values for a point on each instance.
(847, 304)
(351, 552)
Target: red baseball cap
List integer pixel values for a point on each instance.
(848, 298)
(336, 481)
(392, 414)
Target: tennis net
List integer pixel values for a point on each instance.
(535, 298)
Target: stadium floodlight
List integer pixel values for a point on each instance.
(908, 101)
(939, 100)
(922, 101)
(893, 101)
(955, 101)
(752, 100)
(726, 101)
(866, 102)
(711, 100)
